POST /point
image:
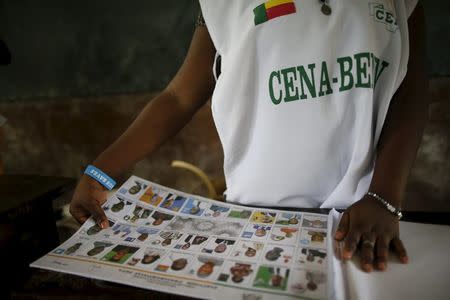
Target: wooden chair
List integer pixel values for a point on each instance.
(215, 187)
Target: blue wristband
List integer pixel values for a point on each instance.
(101, 177)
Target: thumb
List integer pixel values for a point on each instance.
(98, 214)
(342, 229)
(79, 213)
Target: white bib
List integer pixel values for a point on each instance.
(302, 96)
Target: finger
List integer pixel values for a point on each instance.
(367, 251)
(98, 214)
(342, 229)
(79, 214)
(399, 248)
(382, 250)
(350, 243)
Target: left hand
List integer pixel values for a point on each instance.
(370, 226)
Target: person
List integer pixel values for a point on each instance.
(94, 229)
(179, 264)
(118, 206)
(150, 258)
(96, 250)
(206, 269)
(119, 254)
(72, 249)
(99, 247)
(317, 104)
(250, 252)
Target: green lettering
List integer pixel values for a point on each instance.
(275, 74)
(309, 81)
(389, 18)
(379, 14)
(377, 70)
(375, 63)
(289, 88)
(324, 81)
(362, 61)
(346, 73)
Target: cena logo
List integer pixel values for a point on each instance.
(383, 15)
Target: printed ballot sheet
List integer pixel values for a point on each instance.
(166, 240)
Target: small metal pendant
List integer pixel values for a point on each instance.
(326, 9)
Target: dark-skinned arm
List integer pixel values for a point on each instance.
(162, 118)
(367, 223)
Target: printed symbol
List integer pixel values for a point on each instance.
(382, 15)
(273, 9)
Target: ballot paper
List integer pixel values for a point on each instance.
(166, 240)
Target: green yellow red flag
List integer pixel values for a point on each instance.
(273, 9)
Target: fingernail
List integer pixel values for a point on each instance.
(105, 224)
(101, 224)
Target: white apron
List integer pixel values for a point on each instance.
(302, 96)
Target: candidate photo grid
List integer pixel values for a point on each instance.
(284, 252)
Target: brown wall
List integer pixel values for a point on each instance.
(54, 137)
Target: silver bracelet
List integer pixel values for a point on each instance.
(389, 206)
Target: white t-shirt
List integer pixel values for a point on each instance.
(302, 96)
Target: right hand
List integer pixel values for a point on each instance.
(87, 201)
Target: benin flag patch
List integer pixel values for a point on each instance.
(273, 9)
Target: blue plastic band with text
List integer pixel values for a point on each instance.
(101, 177)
